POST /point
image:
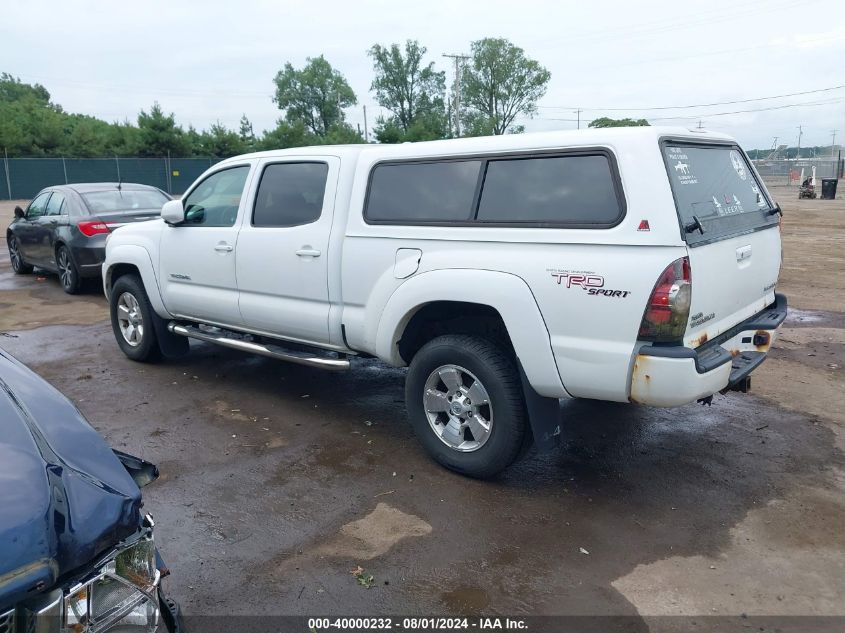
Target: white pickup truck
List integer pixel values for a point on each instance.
(633, 265)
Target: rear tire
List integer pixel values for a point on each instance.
(480, 438)
(19, 266)
(68, 271)
(132, 320)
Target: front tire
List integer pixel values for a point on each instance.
(132, 320)
(68, 272)
(465, 403)
(19, 266)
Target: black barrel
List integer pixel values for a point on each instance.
(829, 188)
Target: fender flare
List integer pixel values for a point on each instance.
(506, 293)
(138, 257)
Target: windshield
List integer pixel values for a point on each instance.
(125, 200)
(715, 188)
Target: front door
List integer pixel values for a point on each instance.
(197, 256)
(283, 249)
(28, 231)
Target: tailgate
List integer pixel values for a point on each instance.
(727, 218)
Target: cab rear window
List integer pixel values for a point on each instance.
(716, 193)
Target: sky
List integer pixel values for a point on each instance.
(215, 60)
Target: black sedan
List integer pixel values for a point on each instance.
(64, 228)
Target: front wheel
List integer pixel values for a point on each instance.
(465, 402)
(18, 264)
(132, 320)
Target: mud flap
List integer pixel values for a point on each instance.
(543, 414)
(171, 345)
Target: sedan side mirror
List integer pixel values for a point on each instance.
(19, 212)
(173, 212)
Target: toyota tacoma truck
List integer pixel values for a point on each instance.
(630, 265)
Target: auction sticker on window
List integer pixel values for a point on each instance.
(679, 161)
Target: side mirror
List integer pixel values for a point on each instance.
(19, 212)
(173, 212)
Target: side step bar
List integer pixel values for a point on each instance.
(273, 351)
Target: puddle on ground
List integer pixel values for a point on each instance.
(465, 600)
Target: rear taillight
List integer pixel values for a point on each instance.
(89, 228)
(667, 311)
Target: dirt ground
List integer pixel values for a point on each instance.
(278, 480)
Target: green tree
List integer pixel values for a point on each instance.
(159, 134)
(287, 134)
(315, 95)
(221, 142)
(412, 90)
(122, 139)
(85, 136)
(246, 134)
(500, 84)
(12, 90)
(608, 122)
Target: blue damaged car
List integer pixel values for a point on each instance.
(76, 551)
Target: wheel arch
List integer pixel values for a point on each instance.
(490, 296)
(131, 259)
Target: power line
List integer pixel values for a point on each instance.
(705, 105)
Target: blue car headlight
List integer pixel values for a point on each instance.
(120, 594)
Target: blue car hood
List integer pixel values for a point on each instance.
(65, 497)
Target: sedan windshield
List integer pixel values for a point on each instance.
(125, 200)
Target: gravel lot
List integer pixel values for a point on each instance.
(278, 480)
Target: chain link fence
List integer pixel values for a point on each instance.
(788, 172)
(22, 178)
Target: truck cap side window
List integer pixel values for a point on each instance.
(554, 190)
(216, 200)
(290, 194)
(573, 189)
(423, 192)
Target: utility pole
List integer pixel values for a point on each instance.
(700, 127)
(800, 133)
(578, 112)
(832, 141)
(459, 59)
(366, 129)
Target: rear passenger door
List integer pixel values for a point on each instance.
(282, 257)
(47, 225)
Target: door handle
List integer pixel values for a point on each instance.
(308, 252)
(222, 247)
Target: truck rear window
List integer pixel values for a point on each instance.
(714, 187)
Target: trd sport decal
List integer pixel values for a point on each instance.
(591, 283)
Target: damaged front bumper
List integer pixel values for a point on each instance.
(122, 591)
(673, 375)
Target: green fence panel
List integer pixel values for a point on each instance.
(184, 171)
(28, 176)
(91, 170)
(145, 171)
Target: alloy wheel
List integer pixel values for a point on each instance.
(458, 408)
(130, 319)
(66, 271)
(15, 254)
